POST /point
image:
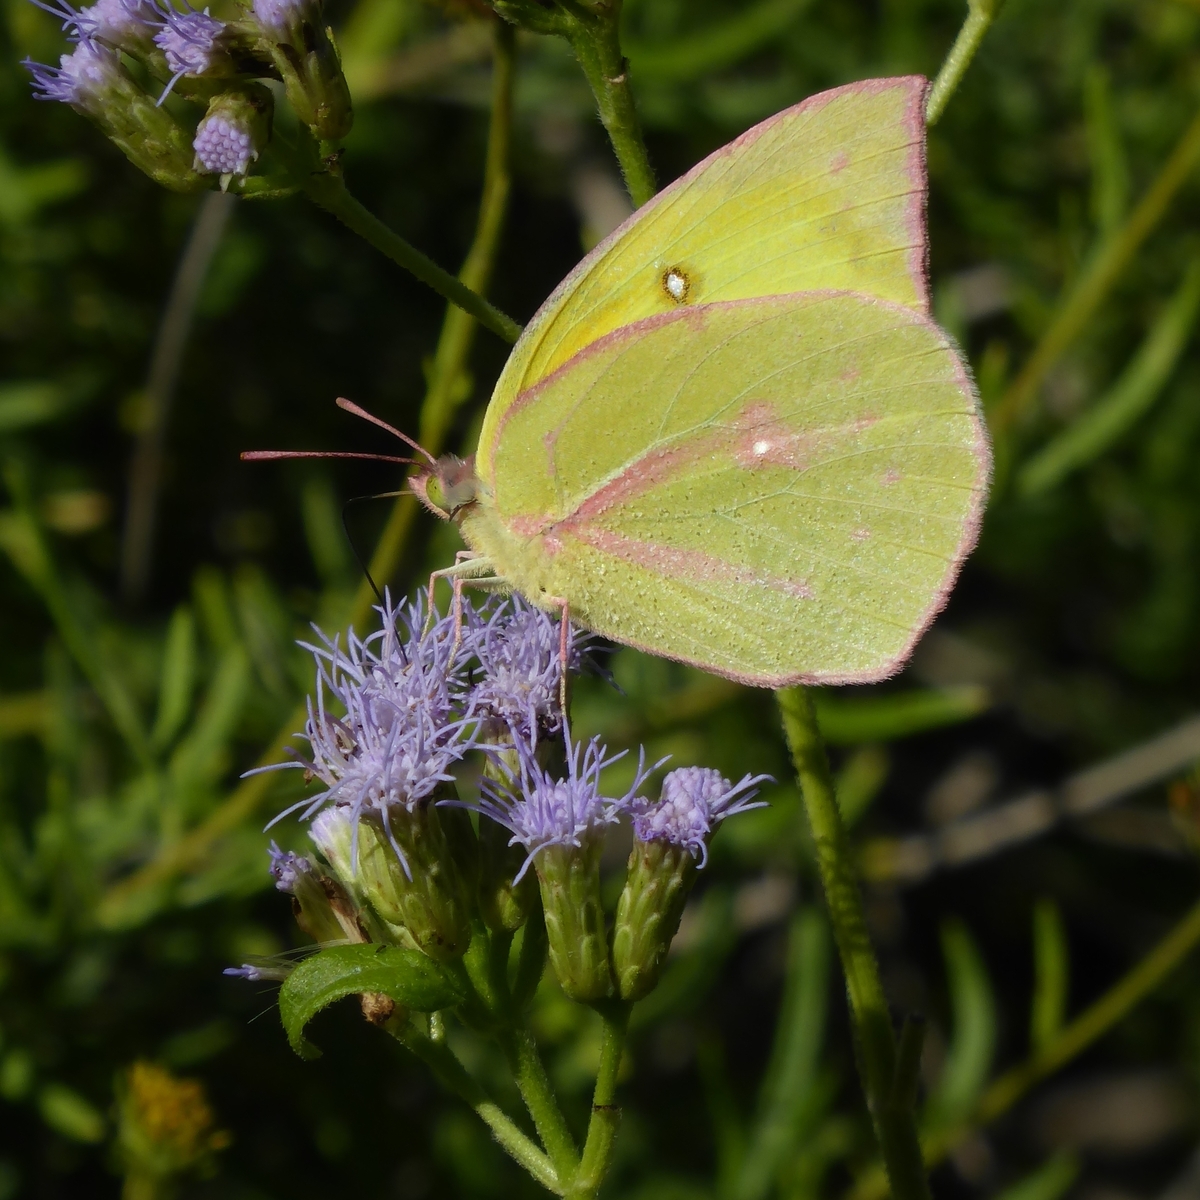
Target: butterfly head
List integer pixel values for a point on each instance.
(447, 487)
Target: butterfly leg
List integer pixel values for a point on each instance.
(564, 649)
(466, 562)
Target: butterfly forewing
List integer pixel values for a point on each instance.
(827, 194)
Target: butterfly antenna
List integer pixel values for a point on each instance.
(362, 562)
(263, 455)
(351, 407)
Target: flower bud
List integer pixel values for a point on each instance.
(92, 80)
(232, 132)
(410, 877)
(660, 875)
(303, 51)
(322, 906)
(569, 877)
(669, 837)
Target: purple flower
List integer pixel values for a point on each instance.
(224, 146)
(191, 42)
(693, 802)
(540, 810)
(287, 867)
(257, 973)
(402, 727)
(519, 648)
(81, 78)
(114, 22)
(278, 17)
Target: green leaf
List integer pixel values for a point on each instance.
(848, 720)
(1051, 974)
(67, 1112)
(973, 1045)
(178, 678)
(1104, 424)
(407, 976)
(716, 47)
(1051, 1180)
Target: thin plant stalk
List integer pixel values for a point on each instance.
(606, 1115)
(529, 1072)
(174, 330)
(893, 1117)
(1099, 277)
(328, 190)
(1068, 1043)
(455, 1078)
(980, 15)
(598, 49)
(449, 364)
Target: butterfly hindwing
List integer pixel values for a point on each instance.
(775, 489)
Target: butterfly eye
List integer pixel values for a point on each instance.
(677, 284)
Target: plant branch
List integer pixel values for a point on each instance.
(328, 189)
(980, 15)
(596, 42)
(534, 1085)
(454, 1077)
(1099, 277)
(606, 1115)
(1072, 1040)
(895, 1125)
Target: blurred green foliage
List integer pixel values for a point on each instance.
(1075, 631)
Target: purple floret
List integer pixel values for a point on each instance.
(693, 802)
(540, 810)
(81, 76)
(190, 41)
(519, 649)
(287, 867)
(405, 723)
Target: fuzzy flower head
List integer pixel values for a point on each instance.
(81, 79)
(693, 802)
(401, 730)
(224, 145)
(191, 41)
(117, 23)
(519, 649)
(541, 810)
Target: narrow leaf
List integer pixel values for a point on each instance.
(407, 976)
(1137, 389)
(1051, 972)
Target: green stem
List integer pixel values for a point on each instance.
(596, 42)
(327, 189)
(1072, 1040)
(1099, 276)
(534, 1085)
(454, 1077)
(895, 1125)
(606, 1116)
(980, 15)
